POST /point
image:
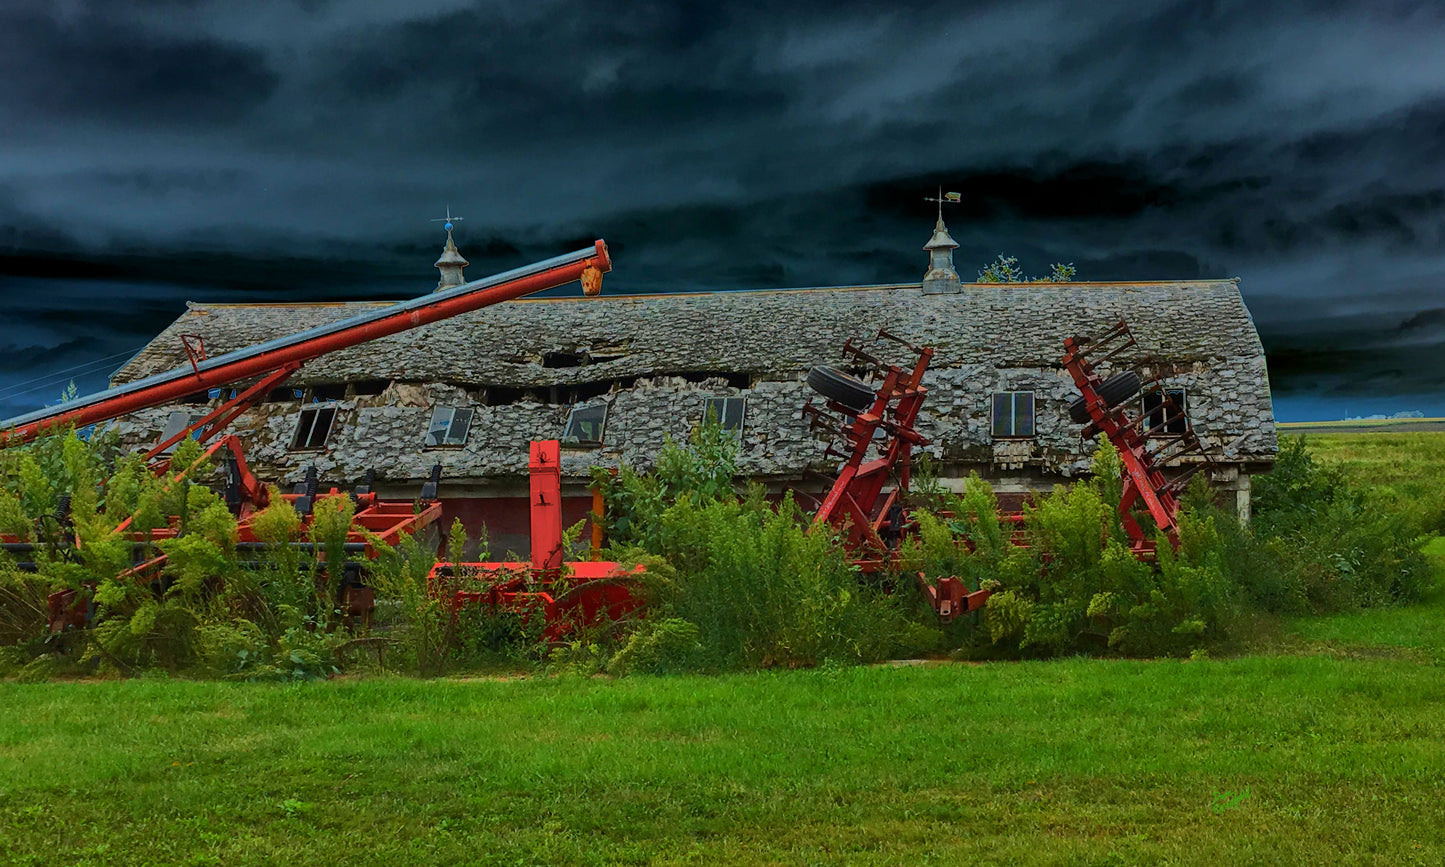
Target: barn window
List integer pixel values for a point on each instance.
(727, 411)
(1166, 419)
(448, 426)
(313, 427)
(1013, 414)
(585, 425)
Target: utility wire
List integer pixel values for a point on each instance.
(56, 376)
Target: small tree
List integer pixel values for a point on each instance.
(1006, 270)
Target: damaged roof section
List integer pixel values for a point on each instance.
(567, 341)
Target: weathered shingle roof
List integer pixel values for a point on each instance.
(759, 332)
(990, 337)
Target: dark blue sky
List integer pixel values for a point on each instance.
(154, 152)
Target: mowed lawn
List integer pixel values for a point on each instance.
(1304, 758)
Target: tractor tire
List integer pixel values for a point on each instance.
(1114, 390)
(838, 386)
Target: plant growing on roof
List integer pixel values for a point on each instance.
(1005, 269)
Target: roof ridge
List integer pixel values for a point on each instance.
(866, 287)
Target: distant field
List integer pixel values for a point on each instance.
(1405, 471)
(1403, 425)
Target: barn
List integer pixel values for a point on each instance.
(614, 377)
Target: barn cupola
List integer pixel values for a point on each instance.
(451, 262)
(941, 279)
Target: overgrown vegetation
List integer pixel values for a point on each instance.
(739, 581)
(736, 579)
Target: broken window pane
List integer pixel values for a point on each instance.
(441, 422)
(461, 423)
(1166, 418)
(448, 426)
(313, 428)
(585, 424)
(175, 423)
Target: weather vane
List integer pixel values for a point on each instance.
(448, 219)
(951, 198)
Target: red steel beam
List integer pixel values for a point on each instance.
(260, 364)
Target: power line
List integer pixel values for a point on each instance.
(54, 377)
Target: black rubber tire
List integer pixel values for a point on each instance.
(1114, 390)
(838, 386)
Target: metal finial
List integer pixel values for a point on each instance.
(951, 198)
(448, 219)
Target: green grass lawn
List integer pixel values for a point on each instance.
(1074, 761)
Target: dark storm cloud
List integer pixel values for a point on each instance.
(104, 68)
(305, 145)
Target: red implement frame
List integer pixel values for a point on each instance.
(857, 504)
(1141, 455)
(566, 595)
(869, 518)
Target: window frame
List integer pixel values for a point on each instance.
(1013, 416)
(605, 408)
(316, 410)
(1151, 427)
(737, 432)
(448, 439)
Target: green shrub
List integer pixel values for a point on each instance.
(1077, 588)
(659, 647)
(1316, 544)
(759, 588)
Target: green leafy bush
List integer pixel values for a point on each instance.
(1316, 544)
(759, 588)
(1077, 588)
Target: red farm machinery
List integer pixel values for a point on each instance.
(565, 595)
(254, 371)
(871, 429)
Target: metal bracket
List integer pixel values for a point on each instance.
(195, 346)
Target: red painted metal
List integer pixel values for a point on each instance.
(864, 514)
(545, 467)
(857, 504)
(221, 417)
(566, 595)
(594, 592)
(870, 519)
(374, 519)
(951, 597)
(1144, 481)
(263, 364)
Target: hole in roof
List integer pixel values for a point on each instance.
(335, 391)
(562, 358)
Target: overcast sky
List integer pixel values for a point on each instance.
(153, 152)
